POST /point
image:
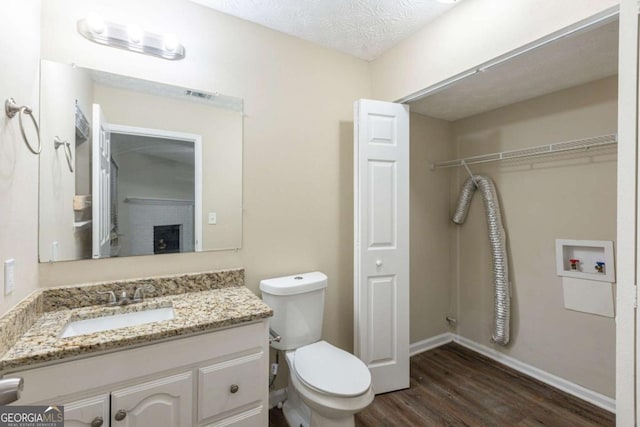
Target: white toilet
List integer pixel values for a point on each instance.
(327, 385)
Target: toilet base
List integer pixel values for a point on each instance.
(295, 411)
(305, 407)
(318, 420)
(298, 414)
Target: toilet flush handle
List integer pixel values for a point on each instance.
(273, 336)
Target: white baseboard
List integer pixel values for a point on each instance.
(576, 390)
(430, 343)
(277, 396)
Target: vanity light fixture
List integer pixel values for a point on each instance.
(130, 37)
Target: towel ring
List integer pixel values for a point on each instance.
(57, 142)
(11, 109)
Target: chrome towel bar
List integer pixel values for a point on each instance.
(57, 142)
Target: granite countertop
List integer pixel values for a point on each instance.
(195, 311)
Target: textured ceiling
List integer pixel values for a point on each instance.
(584, 57)
(362, 28)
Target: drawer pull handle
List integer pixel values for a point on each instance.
(121, 415)
(234, 388)
(97, 422)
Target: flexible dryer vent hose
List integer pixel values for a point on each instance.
(497, 241)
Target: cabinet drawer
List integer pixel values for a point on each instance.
(231, 384)
(254, 417)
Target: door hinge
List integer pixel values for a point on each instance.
(635, 296)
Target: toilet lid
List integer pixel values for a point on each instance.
(330, 370)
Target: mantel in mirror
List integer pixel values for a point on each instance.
(134, 167)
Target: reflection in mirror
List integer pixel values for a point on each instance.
(152, 169)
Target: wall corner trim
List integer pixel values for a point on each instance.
(573, 389)
(431, 343)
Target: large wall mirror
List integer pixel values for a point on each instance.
(133, 167)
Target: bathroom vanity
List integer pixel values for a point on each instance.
(207, 366)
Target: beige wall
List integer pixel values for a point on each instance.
(20, 50)
(221, 132)
(298, 141)
(431, 231)
(468, 35)
(565, 197)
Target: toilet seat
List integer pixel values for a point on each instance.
(330, 370)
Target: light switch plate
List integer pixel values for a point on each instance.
(213, 218)
(9, 276)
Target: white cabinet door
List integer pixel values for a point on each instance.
(381, 265)
(93, 412)
(166, 402)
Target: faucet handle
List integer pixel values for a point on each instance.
(139, 293)
(112, 297)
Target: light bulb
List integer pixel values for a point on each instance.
(95, 23)
(170, 42)
(135, 33)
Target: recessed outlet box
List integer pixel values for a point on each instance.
(9, 276)
(586, 259)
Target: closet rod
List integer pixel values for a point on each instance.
(558, 147)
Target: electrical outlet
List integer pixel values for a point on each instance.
(9, 276)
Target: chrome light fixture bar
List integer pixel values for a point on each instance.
(131, 38)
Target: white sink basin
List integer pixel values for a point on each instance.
(107, 323)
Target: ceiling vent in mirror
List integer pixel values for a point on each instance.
(200, 95)
(130, 37)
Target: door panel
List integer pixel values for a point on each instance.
(82, 413)
(166, 402)
(101, 185)
(381, 261)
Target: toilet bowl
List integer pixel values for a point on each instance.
(327, 386)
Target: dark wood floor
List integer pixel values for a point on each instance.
(453, 386)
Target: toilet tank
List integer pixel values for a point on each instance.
(298, 303)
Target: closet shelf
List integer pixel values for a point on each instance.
(558, 147)
(82, 225)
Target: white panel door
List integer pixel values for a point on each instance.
(101, 185)
(165, 402)
(381, 294)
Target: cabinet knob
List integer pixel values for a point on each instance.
(120, 415)
(97, 422)
(378, 263)
(234, 388)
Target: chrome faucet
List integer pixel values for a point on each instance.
(138, 296)
(139, 293)
(112, 300)
(124, 299)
